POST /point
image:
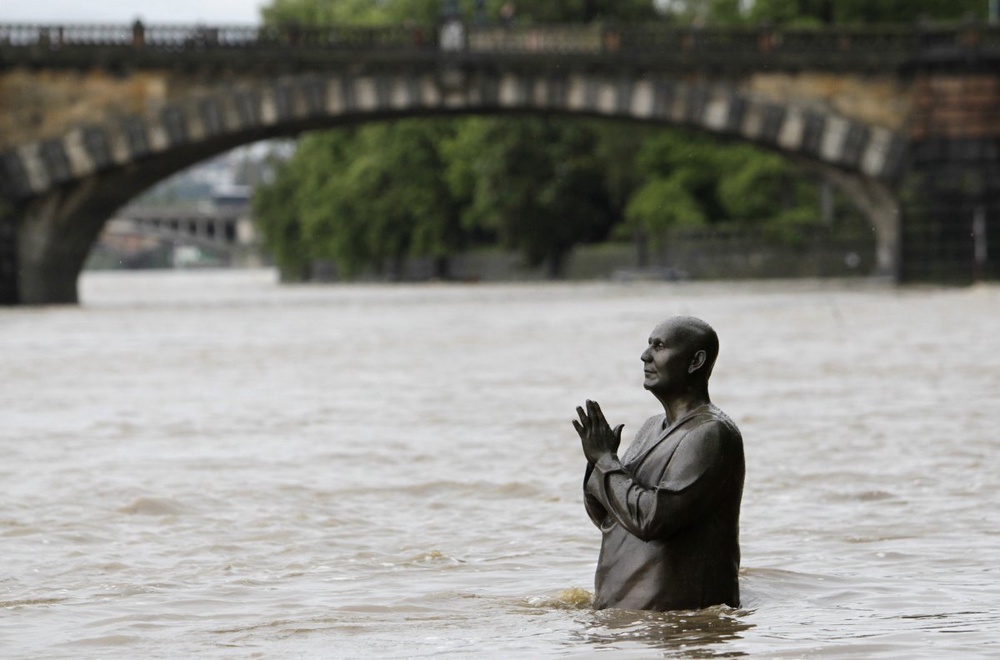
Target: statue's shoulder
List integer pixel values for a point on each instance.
(720, 421)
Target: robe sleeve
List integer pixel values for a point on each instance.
(598, 514)
(591, 481)
(684, 493)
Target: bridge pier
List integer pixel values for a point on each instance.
(9, 294)
(54, 237)
(48, 238)
(881, 204)
(952, 208)
(951, 192)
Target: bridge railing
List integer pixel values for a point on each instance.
(537, 39)
(648, 39)
(197, 37)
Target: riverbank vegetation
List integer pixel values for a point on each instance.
(368, 197)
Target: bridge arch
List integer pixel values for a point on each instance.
(64, 189)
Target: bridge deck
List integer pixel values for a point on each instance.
(649, 46)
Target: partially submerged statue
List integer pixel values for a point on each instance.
(669, 509)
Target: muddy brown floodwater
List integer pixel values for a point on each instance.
(208, 464)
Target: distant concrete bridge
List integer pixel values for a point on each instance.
(906, 120)
(223, 231)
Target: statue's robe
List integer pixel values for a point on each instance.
(669, 512)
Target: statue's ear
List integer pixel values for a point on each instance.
(697, 362)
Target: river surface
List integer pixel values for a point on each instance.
(207, 464)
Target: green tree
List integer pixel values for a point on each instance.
(765, 190)
(395, 12)
(664, 203)
(373, 196)
(582, 11)
(696, 181)
(276, 210)
(863, 11)
(536, 184)
(821, 12)
(616, 148)
(681, 175)
(319, 13)
(379, 194)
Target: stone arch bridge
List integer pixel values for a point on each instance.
(905, 120)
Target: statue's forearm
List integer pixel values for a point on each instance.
(647, 513)
(592, 504)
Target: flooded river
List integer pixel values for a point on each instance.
(207, 464)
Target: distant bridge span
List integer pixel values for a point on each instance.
(881, 112)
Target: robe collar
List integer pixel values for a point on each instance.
(642, 452)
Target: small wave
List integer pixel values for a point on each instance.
(433, 556)
(518, 489)
(153, 506)
(16, 528)
(106, 640)
(874, 496)
(482, 489)
(28, 602)
(763, 585)
(861, 496)
(876, 538)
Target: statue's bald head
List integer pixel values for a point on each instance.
(693, 335)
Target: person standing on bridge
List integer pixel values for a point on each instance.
(507, 12)
(669, 510)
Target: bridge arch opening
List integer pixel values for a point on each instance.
(731, 243)
(65, 190)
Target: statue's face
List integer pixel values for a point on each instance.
(665, 361)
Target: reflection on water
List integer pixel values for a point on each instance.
(206, 464)
(692, 634)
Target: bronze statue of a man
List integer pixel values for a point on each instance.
(669, 509)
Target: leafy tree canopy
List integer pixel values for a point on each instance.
(537, 184)
(369, 196)
(821, 12)
(865, 11)
(320, 13)
(396, 12)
